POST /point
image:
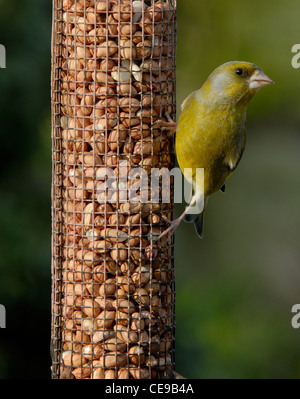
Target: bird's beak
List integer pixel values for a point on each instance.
(259, 79)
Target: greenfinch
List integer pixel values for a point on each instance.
(211, 133)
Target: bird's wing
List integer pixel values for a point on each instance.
(233, 159)
(187, 100)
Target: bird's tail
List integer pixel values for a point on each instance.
(197, 218)
(190, 218)
(199, 224)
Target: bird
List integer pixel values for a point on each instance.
(211, 134)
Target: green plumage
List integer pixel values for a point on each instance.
(211, 132)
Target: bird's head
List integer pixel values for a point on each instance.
(234, 82)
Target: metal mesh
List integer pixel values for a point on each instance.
(113, 81)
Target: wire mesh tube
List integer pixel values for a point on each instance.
(113, 81)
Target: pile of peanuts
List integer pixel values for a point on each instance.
(116, 87)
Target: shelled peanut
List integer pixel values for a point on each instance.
(117, 85)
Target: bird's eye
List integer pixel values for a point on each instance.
(239, 71)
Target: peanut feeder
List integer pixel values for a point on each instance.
(113, 79)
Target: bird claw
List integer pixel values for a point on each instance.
(166, 219)
(169, 125)
(172, 227)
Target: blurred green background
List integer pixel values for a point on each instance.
(236, 287)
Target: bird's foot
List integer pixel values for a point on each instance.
(172, 227)
(169, 125)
